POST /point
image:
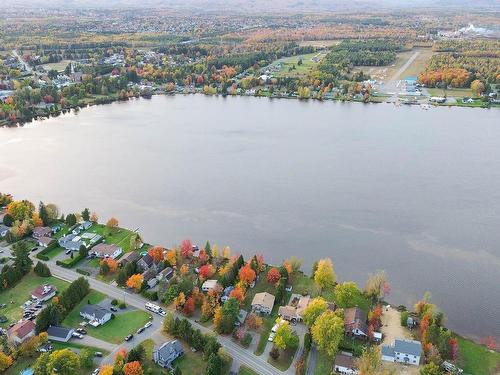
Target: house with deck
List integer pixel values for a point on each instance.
(167, 353)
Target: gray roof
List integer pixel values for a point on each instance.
(61, 332)
(95, 310)
(411, 347)
(167, 348)
(388, 350)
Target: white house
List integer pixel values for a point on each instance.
(345, 363)
(403, 351)
(44, 292)
(209, 284)
(97, 315)
(103, 250)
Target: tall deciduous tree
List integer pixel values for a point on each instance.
(325, 277)
(316, 307)
(327, 332)
(285, 337)
(64, 362)
(345, 294)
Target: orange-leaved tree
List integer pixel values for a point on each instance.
(156, 252)
(135, 281)
(133, 368)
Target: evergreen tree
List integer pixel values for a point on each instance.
(208, 249)
(71, 219)
(43, 214)
(83, 251)
(214, 365)
(42, 270)
(137, 353)
(86, 214)
(21, 253)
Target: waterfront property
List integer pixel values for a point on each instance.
(355, 322)
(263, 303)
(403, 351)
(345, 363)
(106, 251)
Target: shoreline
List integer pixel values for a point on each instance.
(113, 99)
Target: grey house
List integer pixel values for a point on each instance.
(167, 353)
(97, 315)
(403, 351)
(61, 334)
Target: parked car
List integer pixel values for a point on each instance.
(129, 337)
(67, 252)
(148, 324)
(35, 248)
(81, 330)
(140, 330)
(271, 337)
(96, 371)
(114, 309)
(77, 335)
(98, 354)
(3, 305)
(3, 319)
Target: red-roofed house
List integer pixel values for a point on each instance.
(44, 292)
(21, 331)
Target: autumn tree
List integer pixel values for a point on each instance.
(327, 332)
(106, 370)
(5, 361)
(295, 263)
(238, 293)
(133, 368)
(206, 271)
(64, 361)
(112, 223)
(314, 309)
(108, 265)
(369, 363)
(189, 307)
(325, 277)
(431, 369)
(285, 336)
(273, 276)
(156, 252)
(374, 284)
(345, 294)
(135, 282)
(247, 274)
(254, 321)
(477, 86)
(20, 210)
(171, 257)
(94, 218)
(226, 252)
(186, 248)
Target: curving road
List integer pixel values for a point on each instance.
(239, 354)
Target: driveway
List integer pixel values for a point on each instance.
(391, 326)
(92, 341)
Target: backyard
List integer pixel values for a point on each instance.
(290, 66)
(477, 359)
(22, 292)
(113, 331)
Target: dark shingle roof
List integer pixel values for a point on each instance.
(411, 347)
(95, 310)
(61, 332)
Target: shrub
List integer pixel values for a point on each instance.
(247, 340)
(42, 270)
(42, 257)
(404, 318)
(114, 302)
(83, 272)
(274, 353)
(122, 305)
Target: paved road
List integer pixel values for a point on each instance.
(311, 363)
(391, 85)
(258, 364)
(26, 66)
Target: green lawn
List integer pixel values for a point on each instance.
(54, 252)
(244, 370)
(261, 286)
(477, 359)
(22, 292)
(117, 236)
(284, 360)
(265, 331)
(73, 345)
(454, 93)
(288, 64)
(113, 331)
(148, 365)
(323, 364)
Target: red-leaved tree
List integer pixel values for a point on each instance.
(273, 276)
(186, 248)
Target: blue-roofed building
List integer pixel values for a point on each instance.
(403, 351)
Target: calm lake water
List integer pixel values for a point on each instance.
(414, 192)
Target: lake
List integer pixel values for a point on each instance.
(413, 192)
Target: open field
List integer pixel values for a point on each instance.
(418, 65)
(117, 236)
(319, 43)
(383, 73)
(59, 66)
(453, 93)
(290, 67)
(477, 359)
(22, 292)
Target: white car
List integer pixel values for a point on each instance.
(148, 324)
(96, 371)
(271, 337)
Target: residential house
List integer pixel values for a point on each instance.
(70, 242)
(263, 303)
(149, 274)
(4, 230)
(21, 331)
(289, 313)
(403, 351)
(293, 312)
(103, 250)
(355, 322)
(45, 241)
(39, 232)
(345, 364)
(61, 334)
(97, 315)
(167, 353)
(129, 257)
(44, 292)
(146, 262)
(165, 274)
(209, 284)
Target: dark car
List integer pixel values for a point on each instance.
(129, 337)
(97, 354)
(114, 309)
(35, 248)
(81, 330)
(140, 330)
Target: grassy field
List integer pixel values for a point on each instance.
(59, 66)
(453, 93)
(113, 331)
(288, 63)
(117, 236)
(22, 292)
(284, 360)
(477, 359)
(244, 370)
(383, 73)
(265, 331)
(323, 364)
(418, 65)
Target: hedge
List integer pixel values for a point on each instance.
(83, 272)
(43, 254)
(42, 257)
(71, 263)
